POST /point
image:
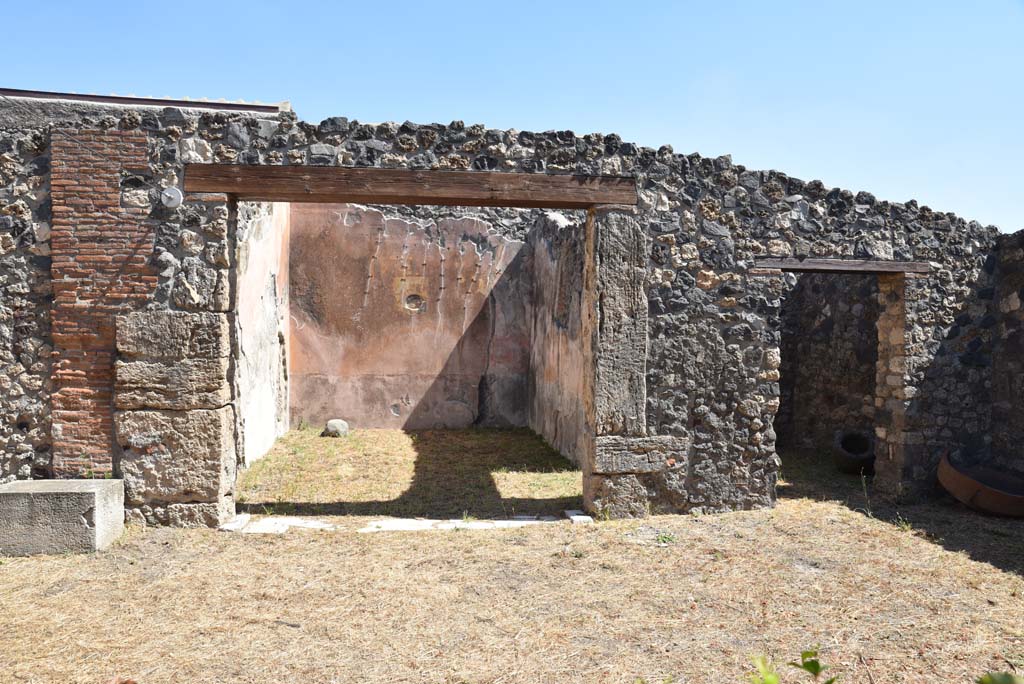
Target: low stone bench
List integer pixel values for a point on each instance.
(60, 516)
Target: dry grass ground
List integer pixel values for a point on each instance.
(933, 595)
(450, 473)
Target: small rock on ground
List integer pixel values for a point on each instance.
(336, 427)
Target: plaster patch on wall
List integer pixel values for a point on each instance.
(559, 362)
(262, 326)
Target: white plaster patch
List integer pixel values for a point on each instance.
(559, 219)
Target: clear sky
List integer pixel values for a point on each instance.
(903, 98)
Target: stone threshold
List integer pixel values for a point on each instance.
(244, 523)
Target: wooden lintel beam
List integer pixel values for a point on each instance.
(409, 186)
(842, 265)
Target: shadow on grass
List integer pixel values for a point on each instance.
(455, 473)
(942, 520)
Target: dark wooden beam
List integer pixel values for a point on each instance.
(409, 186)
(842, 265)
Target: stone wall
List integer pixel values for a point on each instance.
(26, 299)
(1008, 369)
(950, 336)
(175, 419)
(716, 321)
(560, 409)
(687, 328)
(412, 323)
(829, 352)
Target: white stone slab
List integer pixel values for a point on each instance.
(578, 517)
(236, 524)
(306, 523)
(421, 524)
(399, 525)
(60, 516)
(272, 524)
(269, 525)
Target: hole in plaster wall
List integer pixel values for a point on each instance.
(415, 303)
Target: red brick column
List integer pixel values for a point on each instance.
(100, 269)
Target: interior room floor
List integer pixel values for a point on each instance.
(475, 473)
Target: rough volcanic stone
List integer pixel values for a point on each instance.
(177, 456)
(195, 151)
(620, 496)
(621, 349)
(174, 335)
(199, 287)
(184, 384)
(199, 514)
(829, 352)
(616, 455)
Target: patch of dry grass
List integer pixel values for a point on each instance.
(807, 475)
(665, 599)
(446, 473)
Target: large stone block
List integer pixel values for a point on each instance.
(60, 516)
(616, 455)
(620, 385)
(174, 335)
(177, 456)
(200, 514)
(183, 384)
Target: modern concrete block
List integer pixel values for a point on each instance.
(60, 516)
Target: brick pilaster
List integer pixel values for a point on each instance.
(100, 269)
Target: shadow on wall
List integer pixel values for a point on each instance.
(484, 380)
(956, 392)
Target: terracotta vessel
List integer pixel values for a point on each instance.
(983, 489)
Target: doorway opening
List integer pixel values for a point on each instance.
(828, 413)
(451, 341)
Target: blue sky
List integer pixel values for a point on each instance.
(903, 98)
